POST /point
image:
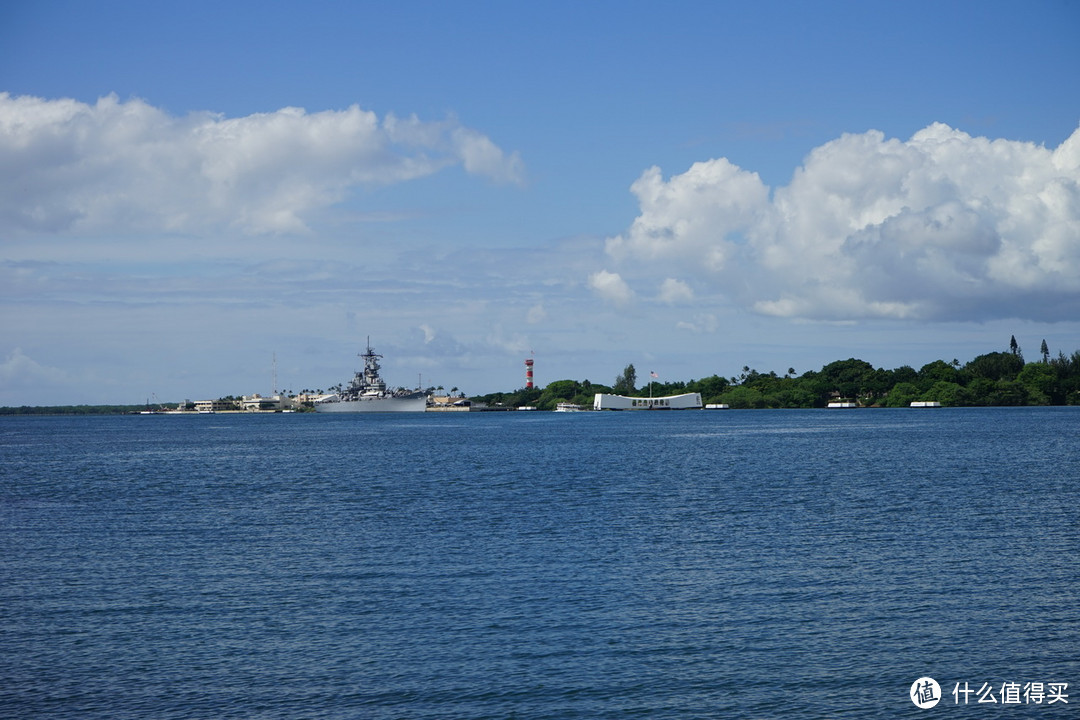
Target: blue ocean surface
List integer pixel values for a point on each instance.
(699, 564)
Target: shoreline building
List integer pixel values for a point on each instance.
(686, 401)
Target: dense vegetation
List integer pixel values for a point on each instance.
(73, 410)
(997, 378)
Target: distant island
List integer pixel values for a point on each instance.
(995, 379)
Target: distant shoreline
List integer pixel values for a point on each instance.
(76, 410)
(996, 379)
(121, 410)
(93, 410)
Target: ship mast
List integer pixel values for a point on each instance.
(371, 368)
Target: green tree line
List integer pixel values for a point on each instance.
(72, 409)
(993, 379)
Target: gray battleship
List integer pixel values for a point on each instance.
(368, 393)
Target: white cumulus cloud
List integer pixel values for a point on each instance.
(611, 287)
(480, 155)
(940, 226)
(72, 166)
(675, 292)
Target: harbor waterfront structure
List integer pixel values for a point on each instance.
(257, 403)
(448, 403)
(529, 374)
(686, 401)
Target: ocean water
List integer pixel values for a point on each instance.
(716, 564)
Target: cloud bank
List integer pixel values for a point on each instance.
(944, 226)
(67, 166)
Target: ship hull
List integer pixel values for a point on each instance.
(374, 405)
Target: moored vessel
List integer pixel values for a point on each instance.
(368, 393)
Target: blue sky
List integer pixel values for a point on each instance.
(189, 191)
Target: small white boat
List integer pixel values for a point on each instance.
(925, 403)
(568, 407)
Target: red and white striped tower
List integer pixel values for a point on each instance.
(528, 373)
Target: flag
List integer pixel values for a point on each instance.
(652, 374)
